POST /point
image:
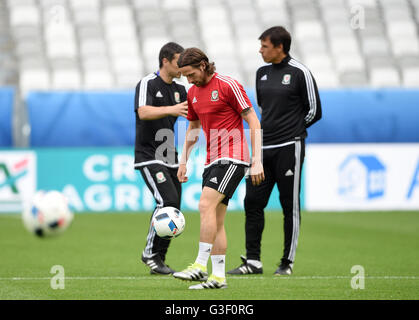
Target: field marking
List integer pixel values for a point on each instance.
(230, 278)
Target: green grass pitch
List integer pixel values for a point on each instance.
(100, 255)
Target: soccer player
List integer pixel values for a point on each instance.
(219, 104)
(288, 97)
(159, 100)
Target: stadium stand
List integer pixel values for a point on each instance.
(110, 44)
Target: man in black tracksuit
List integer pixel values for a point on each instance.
(289, 101)
(159, 100)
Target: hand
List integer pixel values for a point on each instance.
(256, 173)
(181, 173)
(180, 109)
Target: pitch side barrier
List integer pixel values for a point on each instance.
(367, 116)
(77, 119)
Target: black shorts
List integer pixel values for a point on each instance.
(224, 177)
(163, 184)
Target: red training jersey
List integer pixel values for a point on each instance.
(218, 106)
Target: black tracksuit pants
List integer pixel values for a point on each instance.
(166, 190)
(282, 166)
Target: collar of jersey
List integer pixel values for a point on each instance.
(283, 62)
(213, 77)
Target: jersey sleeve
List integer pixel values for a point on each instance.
(143, 94)
(237, 96)
(311, 99)
(257, 83)
(192, 116)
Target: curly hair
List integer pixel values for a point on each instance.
(194, 57)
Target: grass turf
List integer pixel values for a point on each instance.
(100, 255)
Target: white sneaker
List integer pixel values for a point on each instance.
(213, 282)
(195, 272)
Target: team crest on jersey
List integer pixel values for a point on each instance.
(286, 79)
(214, 95)
(177, 97)
(160, 177)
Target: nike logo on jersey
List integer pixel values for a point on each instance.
(159, 95)
(194, 100)
(264, 77)
(214, 180)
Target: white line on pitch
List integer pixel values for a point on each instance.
(230, 278)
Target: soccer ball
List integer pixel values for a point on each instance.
(47, 214)
(168, 222)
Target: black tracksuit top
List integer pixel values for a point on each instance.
(153, 91)
(289, 100)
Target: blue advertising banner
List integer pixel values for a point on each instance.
(367, 116)
(81, 119)
(6, 109)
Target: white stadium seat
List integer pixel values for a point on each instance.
(93, 47)
(405, 46)
(212, 16)
(411, 77)
(406, 28)
(349, 62)
(356, 79)
(24, 15)
(124, 48)
(65, 79)
(61, 49)
(59, 31)
(217, 34)
(127, 80)
(281, 4)
(34, 79)
(84, 4)
(178, 4)
(124, 64)
(98, 80)
(375, 45)
(112, 34)
(313, 47)
(384, 77)
(304, 30)
(95, 62)
(86, 17)
(19, 3)
(118, 32)
(318, 62)
(363, 3)
(344, 45)
(326, 79)
(117, 15)
(141, 4)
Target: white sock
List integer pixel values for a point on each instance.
(255, 263)
(203, 253)
(218, 265)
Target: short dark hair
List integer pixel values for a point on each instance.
(278, 35)
(168, 51)
(193, 57)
